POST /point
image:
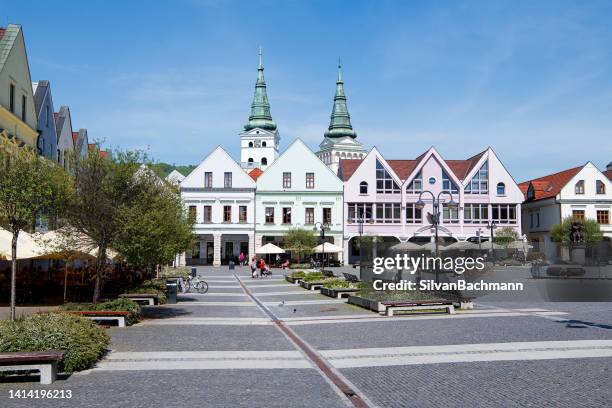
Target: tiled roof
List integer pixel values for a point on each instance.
(348, 167)
(403, 168)
(7, 39)
(461, 168)
(255, 173)
(103, 153)
(608, 174)
(549, 186)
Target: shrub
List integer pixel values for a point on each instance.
(156, 286)
(298, 274)
(336, 283)
(82, 340)
(117, 305)
(314, 277)
(367, 291)
(300, 265)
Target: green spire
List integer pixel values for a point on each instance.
(260, 108)
(340, 124)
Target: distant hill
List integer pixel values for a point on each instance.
(163, 169)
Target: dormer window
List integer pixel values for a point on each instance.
(530, 192)
(579, 187)
(363, 187)
(447, 184)
(264, 161)
(600, 187)
(384, 182)
(416, 186)
(250, 160)
(480, 182)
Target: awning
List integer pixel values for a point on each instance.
(270, 249)
(327, 248)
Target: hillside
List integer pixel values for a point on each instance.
(163, 169)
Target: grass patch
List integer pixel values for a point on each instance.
(336, 283)
(117, 305)
(314, 277)
(82, 340)
(298, 274)
(367, 291)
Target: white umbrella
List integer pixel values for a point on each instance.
(270, 249)
(520, 245)
(406, 246)
(328, 248)
(27, 248)
(461, 245)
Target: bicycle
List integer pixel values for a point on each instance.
(197, 283)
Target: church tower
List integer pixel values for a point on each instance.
(259, 139)
(339, 141)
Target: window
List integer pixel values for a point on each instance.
(578, 214)
(251, 145)
(530, 220)
(12, 98)
(480, 182)
(264, 161)
(286, 179)
(192, 212)
(207, 213)
(309, 216)
(537, 219)
(250, 160)
(358, 211)
(388, 213)
(579, 187)
(23, 107)
(269, 215)
(327, 216)
(59, 156)
(227, 213)
(450, 215)
(530, 192)
(476, 213)
(503, 213)
(208, 181)
(600, 187)
(263, 144)
(501, 189)
(287, 215)
(227, 179)
(447, 184)
(309, 180)
(384, 182)
(413, 215)
(363, 187)
(416, 186)
(603, 216)
(242, 213)
(47, 116)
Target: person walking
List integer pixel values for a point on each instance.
(241, 259)
(253, 266)
(262, 267)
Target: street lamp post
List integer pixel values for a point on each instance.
(435, 218)
(321, 227)
(479, 234)
(491, 225)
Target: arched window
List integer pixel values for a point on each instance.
(250, 160)
(264, 161)
(250, 144)
(501, 189)
(579, 187)
(263, 144)
(363, 187)
(600, 187)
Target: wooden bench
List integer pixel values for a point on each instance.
(149, 298)
(390, 307)
(349, 277)
(102, 315)
(43, 361)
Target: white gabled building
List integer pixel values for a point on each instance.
(175, 178)
(298, 190)
(221, 195)
(581, 192)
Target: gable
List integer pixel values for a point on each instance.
(590, 174)
(550, 185)
(218, 162)
(423, 159)
(298, 159)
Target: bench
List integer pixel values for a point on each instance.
(149, 298)
(43, 361)
(102, 315)
(419, 305)
(349, 277)
(338, 292)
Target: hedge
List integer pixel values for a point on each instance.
(313, 276)
(117, 305)
(337, 283)
(298, 274)
(157, 286)
(82, 340)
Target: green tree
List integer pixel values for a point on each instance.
(105, 187)
(300, 240)
(561, 232)
(506, 235)
(29, 185)
(155, 226)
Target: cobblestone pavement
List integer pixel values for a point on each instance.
(224, 349)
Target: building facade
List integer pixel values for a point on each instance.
(43, 102)
(220, 195)
(298, 191)
(340, 140)
(580, 192)
(260, 139)
(383, 194)
(18, 119)
(65, 143)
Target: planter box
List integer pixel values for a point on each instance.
(293, 280)
(369, 304)
(310, 285)
(338, 292)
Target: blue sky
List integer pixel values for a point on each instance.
(531, 79)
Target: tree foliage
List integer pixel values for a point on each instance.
(560, 233)
(300, 240)
(506, 235)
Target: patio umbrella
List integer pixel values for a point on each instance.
(328, 248)
(520, 245)
(406, 246)
(461, 245)
(270, 249)
(27, 248)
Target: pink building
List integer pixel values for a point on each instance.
(383, 193)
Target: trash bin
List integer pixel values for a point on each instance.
(231, 265)
(194, 272)
(171, 289)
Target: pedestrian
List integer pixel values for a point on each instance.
(262, 267)
(241, 259)
(253, 268)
